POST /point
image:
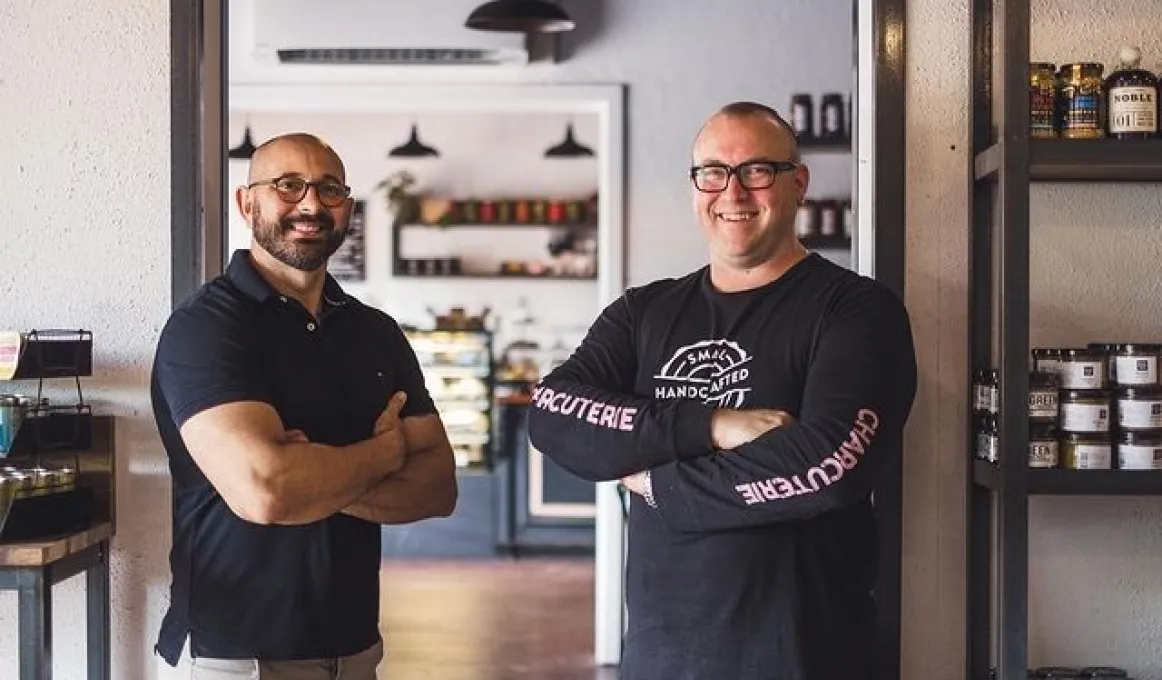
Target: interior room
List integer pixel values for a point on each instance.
(993, 163)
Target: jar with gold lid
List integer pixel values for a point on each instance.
(1081, 100)
(1042, 100)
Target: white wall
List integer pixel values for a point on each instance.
(1096, 563)
(84, 138)
(482, 155)
(84, 166)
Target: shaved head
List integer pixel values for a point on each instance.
(270, 153)
(745, 109)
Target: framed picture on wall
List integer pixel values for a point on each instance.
(347, 264)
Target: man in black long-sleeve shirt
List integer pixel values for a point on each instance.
(748, 406)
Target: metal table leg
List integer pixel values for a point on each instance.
(97, 614)
(35, 603)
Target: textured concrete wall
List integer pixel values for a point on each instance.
(84, 185)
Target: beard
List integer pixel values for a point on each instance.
(306, 256)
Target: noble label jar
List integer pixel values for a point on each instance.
(1081, 101)
(1140, 450)
(1042, 100)
(1085, 451)
(1132, 98)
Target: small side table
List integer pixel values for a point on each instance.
(32, 568)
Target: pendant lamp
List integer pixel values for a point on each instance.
(568, 148)
(520, 16)
(244, 150)
(413, 148)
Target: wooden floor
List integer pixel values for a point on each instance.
(489, 620)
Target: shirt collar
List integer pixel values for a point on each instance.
(245, 277)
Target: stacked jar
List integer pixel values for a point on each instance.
(1137, 394)
(986, 402)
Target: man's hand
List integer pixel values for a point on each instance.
(635, 483)
(389, 429)
(731, 428)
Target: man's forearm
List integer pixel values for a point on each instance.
(425, 487)
(311, 487)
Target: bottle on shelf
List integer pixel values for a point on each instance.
(802, 117)
(1131, 98)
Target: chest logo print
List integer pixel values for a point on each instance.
(713, 371)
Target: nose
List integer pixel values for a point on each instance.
(734, 188)
(309, 203)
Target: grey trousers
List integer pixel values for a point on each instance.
(359, 666)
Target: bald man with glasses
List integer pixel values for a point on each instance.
(748, 407)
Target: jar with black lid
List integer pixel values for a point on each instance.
(1043, 446)
(1046, 359)
(1085, 451)
(1083, 369)
(1140, 408)
(1081, 101)
(1135, 364)
(1043, 396)
(1140, 450)
(1085, 410)
(1131, 98)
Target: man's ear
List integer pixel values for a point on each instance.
(244, 201)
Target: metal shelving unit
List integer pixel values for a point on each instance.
(1006, 163)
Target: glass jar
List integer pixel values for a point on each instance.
(1043, 447)
(1083, 369)
(1131, 98)
(1043, 396)
(1042, 100)
(1085, 410)
(831, 124)
(1081, 101)
(1085, 450)
(1047, 359)
(1108, 349)
(1140, 408)
(1140, 450)
(988, 441)
(802, 117)
(1135, 365)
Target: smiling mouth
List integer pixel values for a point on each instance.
(737, 215)
(307, 228)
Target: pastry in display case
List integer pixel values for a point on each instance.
(457, 367)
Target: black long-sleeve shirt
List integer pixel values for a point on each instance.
(758, 563)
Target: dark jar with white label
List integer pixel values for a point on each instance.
(1043, 447)
(1131, 98)
(1043, 388)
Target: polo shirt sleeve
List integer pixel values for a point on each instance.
(203, 361)
(409, 376)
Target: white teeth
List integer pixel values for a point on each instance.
(737, 217)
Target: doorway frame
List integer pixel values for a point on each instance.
(198, 110)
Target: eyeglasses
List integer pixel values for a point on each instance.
(331, 192)
(715, 177)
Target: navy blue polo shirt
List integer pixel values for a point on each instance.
(243, 590)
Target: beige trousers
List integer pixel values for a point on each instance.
(359, 666)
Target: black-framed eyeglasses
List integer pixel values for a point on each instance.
(715, 177)
(331, 192)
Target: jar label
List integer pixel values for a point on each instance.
(1085, 417)
(1082, 375)
(1043, 454)
(1048, 366)
(992, 399)
(1081, 111)
(987, 446)
(1133, 109)
(1139, 457)
(1043, 404)
(1140, 415)
(1136, 370)
(1091, 457)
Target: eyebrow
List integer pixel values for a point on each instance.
(715, 161)
(299, 175)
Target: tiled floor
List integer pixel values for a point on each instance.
(489, 620)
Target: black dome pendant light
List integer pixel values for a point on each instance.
(520, 16)
(244, 150)
(568, 148)
(413, 148)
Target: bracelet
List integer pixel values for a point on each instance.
(648, 491)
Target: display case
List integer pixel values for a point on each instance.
(457, 367)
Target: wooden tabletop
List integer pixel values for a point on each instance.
(50, 549)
